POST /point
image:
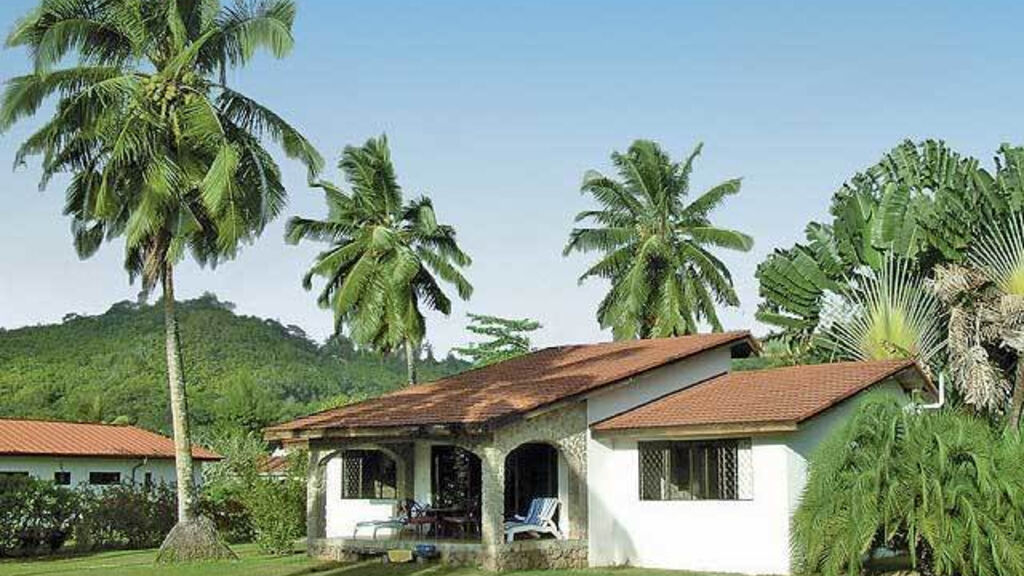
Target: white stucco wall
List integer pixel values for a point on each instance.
(747, 536)
(342, 514)
(43, 467)
(657, 383)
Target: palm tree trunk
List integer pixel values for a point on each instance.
(179, 404)
(410, 363)
(1017, 400)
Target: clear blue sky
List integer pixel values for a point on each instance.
(496, 110)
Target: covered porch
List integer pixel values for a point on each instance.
(455, 490)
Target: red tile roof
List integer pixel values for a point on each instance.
(513, 387)
(781, 395)
(73, 439)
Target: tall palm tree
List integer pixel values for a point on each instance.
(164, 156)
(385, 258)
(657, 247)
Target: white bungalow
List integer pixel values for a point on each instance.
(657, 454)
(73, 453)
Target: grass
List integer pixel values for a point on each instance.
(251, 563)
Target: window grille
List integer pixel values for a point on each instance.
(703, 470)
(104, 478)
(368, 475)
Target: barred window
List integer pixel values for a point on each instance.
(104, 478)
(702, 470)
(367, 475)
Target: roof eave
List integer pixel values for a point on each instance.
(709, 430)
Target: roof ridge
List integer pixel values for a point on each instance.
(77, 422)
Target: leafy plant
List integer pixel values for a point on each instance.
(386, 257)
(940, 490)
(886, 314)
(922, 202)
(507, 338)
(656, 248)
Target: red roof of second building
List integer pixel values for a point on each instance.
(74, 439)
(515, 386)
(780, 395)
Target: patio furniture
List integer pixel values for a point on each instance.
(407, 510)
(464, 524)
(539, 519)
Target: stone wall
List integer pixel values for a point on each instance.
(520, 555)
(542, 555)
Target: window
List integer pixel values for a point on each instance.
(367, 475)
(62, 478)
(147, 480)
(13, 474)
(705, 470)
(104, 478)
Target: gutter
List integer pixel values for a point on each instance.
(942, 395)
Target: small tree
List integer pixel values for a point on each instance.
(507, 338)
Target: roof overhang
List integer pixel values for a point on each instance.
(701, 430)
(911, 378)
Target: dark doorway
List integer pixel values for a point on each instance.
(531, 471)
(455, 479)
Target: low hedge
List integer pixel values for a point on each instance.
(36, 516)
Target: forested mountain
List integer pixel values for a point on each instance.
(243, 371)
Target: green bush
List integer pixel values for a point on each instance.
(277, 511)
(943, 490)
(270, 511)
(126, 516)
(33, 514)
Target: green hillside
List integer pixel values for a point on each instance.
(242, 371)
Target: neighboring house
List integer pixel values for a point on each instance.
(72, 454)
(658, 455)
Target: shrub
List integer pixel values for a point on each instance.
(943, 488)
(248, 507)
(126, 516)
(277, 510)
(34, 513)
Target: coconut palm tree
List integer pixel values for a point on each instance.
(386, 257)
(163, 155)
(657, 248)
(986, 325)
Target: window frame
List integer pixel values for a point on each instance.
(377, 477)
(707, 488)
(110, 474)
(62, 478)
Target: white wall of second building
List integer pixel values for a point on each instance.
(745, 536)
(342, 514)
(44, 468)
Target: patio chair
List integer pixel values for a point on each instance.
(407, 509)
(539, 519)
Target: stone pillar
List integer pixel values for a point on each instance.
(315, 498)
(492, 504)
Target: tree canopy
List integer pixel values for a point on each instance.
(505, 338)
(657, 246)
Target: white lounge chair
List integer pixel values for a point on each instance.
(540, 519)
(406, 510)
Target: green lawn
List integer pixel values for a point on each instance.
(253, 564)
